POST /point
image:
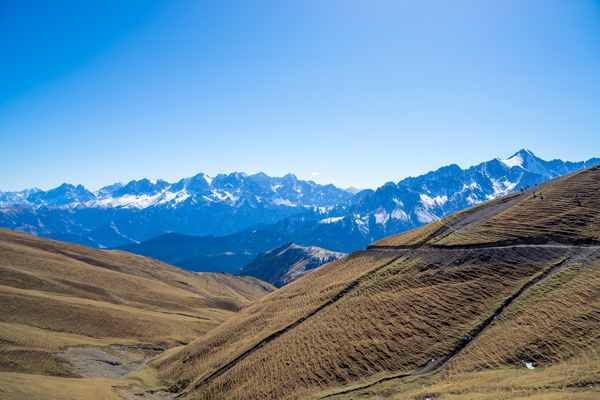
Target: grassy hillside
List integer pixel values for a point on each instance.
(57, 296)
(438, 312)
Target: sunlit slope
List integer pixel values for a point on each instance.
(56, 295)
(546, 345)
(401, 307)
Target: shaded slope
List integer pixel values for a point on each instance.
(208, 253)
(384, 312)
(287, 263)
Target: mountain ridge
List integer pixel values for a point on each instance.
(308, 213)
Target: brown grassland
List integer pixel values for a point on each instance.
(451, 310)
(55, 296)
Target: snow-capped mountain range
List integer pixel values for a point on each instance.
(312, 214)
(139, 210)
(397, 207)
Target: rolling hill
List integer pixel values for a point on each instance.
(497, 301)
(68, 311)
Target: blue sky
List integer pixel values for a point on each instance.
(360, 92)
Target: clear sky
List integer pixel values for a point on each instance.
(359, 92)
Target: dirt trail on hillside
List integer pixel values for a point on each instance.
(571, 255)
(478, 215)
(472, 218)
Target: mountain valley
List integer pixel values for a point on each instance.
(287, 263)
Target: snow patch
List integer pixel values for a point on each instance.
(224, 195)
(515, 161)
(381, 217)
(114, 227)
(424, 216)
(283, 202)
(399, 213)
(175, 198)
(472, 200)
(440, 201)
(430, 202)
(362, 225)
(501, 188)
(472, 186)
(427, 201)
(398, 202)
(332, 220)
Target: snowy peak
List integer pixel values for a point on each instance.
(512, 162)
(526, 160)
(9, 198)
(142, 187)
(231, 189)
(62, 195)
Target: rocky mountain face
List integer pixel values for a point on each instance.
(303, 211)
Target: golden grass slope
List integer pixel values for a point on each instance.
(54, 296)
(554, 326)
(392, 311)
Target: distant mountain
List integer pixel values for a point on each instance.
(208, 253)
(413, 202)
(287, 263)
(304, 212)
(139, 210)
